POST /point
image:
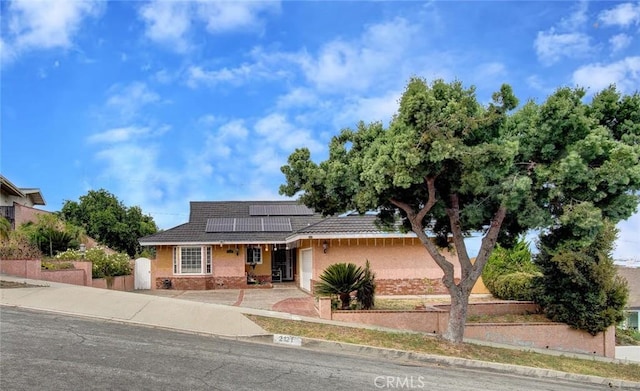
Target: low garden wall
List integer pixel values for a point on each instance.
(554, 336)
(434, 319)
(120, 283)
(80, 275)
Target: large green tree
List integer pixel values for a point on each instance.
(449, 165)
(106, 219)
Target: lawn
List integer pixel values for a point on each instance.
(420, 343)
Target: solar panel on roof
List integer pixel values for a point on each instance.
(279, 210)
(277, 224)
(224, 224)
(248, 224)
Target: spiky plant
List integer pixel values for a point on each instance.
(340, 279)
(366, 292)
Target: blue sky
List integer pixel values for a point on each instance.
(162, 103)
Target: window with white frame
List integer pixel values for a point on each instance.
(254, 255)
(192, 260)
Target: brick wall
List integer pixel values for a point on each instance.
(410, 286)
(202, 282)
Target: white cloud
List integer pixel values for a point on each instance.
(551, 46)
(197, 76)
(297, 97)
(170, 22)
(130, 98)
(277, 131)
(619, 42)
(167, 23)
(117, 135)
(576, 19)
(624, 73)
(622, 15)
(372, 109)
(360, 64)
(34, 25)
(229, 16)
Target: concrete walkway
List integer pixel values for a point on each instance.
(147, 310)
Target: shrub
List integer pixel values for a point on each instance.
(18, 246)
(48, 265)
(103, 264)
(516, 286)
(340, 279)
(510, 274)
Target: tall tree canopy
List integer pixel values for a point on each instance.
(106, 219)
(449, 165)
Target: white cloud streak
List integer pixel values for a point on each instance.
(552, 46)
(622, 15)
(624, 73)
(38, 25)
(170, 23)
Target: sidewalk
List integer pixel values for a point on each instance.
(127, 307)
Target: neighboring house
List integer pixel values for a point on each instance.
(632, 275)
(235, 244)
(17, 203)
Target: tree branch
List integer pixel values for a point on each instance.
(488, 243)
(458, 236)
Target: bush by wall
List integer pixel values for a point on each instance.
(510, 274)
(104, 265)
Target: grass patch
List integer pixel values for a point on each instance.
(429, 345)
(509, 318)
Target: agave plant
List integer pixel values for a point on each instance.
(340, 279)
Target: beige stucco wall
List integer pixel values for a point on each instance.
(392, 258)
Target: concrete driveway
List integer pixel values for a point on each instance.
(282, 298)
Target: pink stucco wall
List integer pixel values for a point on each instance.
(32, 268)
(27, 268)
(391, 258)
(25, 214)
(554, 336)
(120, 283)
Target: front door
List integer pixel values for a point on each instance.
(282, 260)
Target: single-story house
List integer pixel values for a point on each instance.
(632, 275)
(240, 244)
(17, 204)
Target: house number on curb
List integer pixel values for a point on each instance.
(287, 339)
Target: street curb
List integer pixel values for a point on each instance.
(407, 356)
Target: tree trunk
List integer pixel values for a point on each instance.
(345, 299)
(457, 315)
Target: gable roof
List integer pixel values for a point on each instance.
(253, 222)
(35, 195)
(210, 213)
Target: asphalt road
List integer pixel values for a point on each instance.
(44, 351)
